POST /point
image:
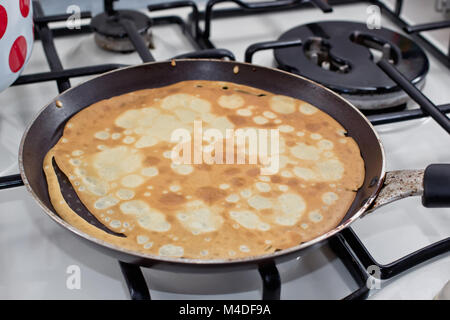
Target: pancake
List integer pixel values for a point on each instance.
(118, 155)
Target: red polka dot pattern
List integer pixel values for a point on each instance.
(18, 54)
(3, 21)
(24, 7)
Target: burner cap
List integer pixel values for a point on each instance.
(110, 35)
(341, 56)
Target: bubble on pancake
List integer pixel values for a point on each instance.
(95, 186)
(307, 109)
(128, 140)
(325, 144)
(125, 194)
(259, 202)
(224, 186)
(183, 169)
(148, 245)
(232, 101)
(134, 118)
(249, 220)
(269, 115)
(244, 248)
(330, 170)
(77, 153)
(329, 197)
(305, 152)
(285, 128)
(183, 100)
(115, 224)
(199, 218)
(292, 207)
(260, 120)
(244, 112)
(305, 173)
(286, 174)
(175, 188)
(246, 193)
(221, 124)
(146, 141)
(113, 163)
(283, 187)
(150, 171)
(141, 239)
(170, 250)
(105, 202)
(102, 135)
(282, 104)
(262, 186)
(75, 162)
(186, 115)
(147, 217)
(116, 136)
(315, 216)
(232, 198)
(132, 181)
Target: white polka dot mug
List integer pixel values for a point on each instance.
(16, 38)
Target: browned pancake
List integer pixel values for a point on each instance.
(117, 155)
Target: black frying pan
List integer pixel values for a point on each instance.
(47, 128)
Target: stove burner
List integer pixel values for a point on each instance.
(342, 56)
(110, 35)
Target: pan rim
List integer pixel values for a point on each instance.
(206, 262)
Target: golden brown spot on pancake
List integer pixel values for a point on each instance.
(210, 194)
(238, 181)
(237, 120)
(204, 166)
(253, 172)
(232, 171)
(172, 199)
(151, 161)
(275, 179)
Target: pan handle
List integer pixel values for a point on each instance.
(436, 186)
(433, 184)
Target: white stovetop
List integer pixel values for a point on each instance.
(35, 253)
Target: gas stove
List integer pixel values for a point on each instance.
(403, 244)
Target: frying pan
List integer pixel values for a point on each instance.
(378, 188)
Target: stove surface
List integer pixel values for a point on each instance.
(37, 255)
